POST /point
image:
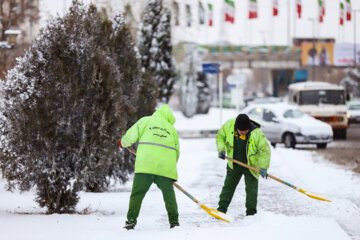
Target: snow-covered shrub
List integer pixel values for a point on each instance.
(155, 48)
(66, 103)
(351, 82)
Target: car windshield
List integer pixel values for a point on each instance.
(293, 113)
(322, 97)
(354, 107)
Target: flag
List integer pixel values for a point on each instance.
(321, 11)
(342, 14)
(275, 7)
(348, 10)
(298, 8)
(253, 9)
(210, 7)
(229, 11)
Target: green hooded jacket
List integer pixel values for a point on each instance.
(158, 149)
(257, 147)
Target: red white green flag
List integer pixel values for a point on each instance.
(321, 10)
(210, 7)
(275, 7)
(253, 13)
(229, 11)
(348, 10)
(298, 8)
(342, 14)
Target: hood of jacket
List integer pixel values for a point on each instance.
(164, 112)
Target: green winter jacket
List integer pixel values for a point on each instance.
(158, 149)
(257, 147)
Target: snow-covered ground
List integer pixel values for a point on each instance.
(283, 213)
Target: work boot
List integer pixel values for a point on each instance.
(129, 226)
(251, 212)
(172, 225)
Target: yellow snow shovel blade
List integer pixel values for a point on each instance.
(212, 212)
(311, 195)
(217, 214)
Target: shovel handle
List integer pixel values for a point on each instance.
(258, 171)
(185, 192)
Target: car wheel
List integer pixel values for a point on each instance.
(289, 140)
(340, 134)
(273, 144)
(321, 145)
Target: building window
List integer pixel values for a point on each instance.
(188, 15)
(176, 14)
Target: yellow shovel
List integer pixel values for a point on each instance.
(212, 212)
(309, 194)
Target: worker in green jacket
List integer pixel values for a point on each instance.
(156, 159)
(242, 140)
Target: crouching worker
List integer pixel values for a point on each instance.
(156, 159)
(242, 140)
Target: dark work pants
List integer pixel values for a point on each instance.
(231, 181)
(141, 185)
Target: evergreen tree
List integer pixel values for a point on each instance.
(121, 49)
(128, 58)
(155, 48)
(67, 102)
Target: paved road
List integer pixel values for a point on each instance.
(343, 152)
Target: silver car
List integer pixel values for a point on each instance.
(353, 112)
(284, 123)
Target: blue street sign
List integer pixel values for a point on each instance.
(211, 67)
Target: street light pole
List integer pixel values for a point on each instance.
(288, 24)
(355, 57)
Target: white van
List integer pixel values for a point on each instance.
(323, 101)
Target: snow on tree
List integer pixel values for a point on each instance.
(127, 56)
(189, 90)
(122, 51)
(66, 103)
(155, 48)
(204, 93)
(351, 82)
(195, 94)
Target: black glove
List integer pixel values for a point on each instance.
(221, 155)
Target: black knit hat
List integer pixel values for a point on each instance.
(242, 122)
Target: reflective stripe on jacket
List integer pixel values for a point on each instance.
(158, 149)
(258, 149)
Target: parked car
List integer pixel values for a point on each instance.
(353, 112)
(284, 123)
(265, 100)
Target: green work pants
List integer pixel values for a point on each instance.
(232, 179)
(141, 185)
